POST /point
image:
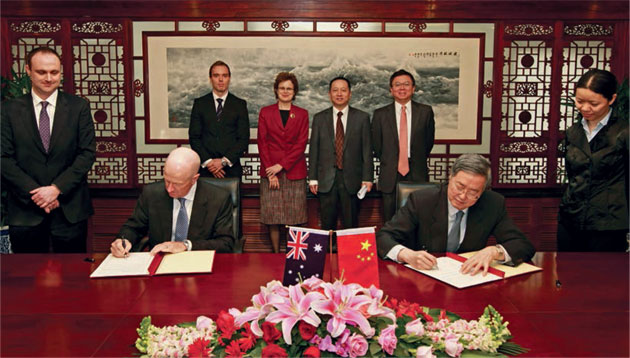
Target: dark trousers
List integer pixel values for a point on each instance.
(389, 199)
(570, 239)
(53, 234)
(338, 198)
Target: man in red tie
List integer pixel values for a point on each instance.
(402, 137)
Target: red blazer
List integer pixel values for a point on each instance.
(282, 145)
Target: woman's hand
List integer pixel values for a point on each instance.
(273, 170)
(274, 183)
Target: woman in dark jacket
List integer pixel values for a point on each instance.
(594, 209)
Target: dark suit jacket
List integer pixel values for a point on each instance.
(210, 220)
(228, 137)
(358, 165)
(422, 224)
(385, 143)
(26, 165)
(282, 145)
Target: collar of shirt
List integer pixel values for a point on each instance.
(590, 135)
(344, 118)
(216, 103)
(52, 103)
(398, 109)
(452, 212)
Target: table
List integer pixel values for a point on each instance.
(50, 307)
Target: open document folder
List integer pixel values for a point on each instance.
(448, 271)
(143, 264)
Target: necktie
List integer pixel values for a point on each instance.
(403, 159)
(44, 126)
(453, 236)
(219, 108)
(181, 225)
(339, 136)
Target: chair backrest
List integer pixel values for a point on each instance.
(405, 188)
(232, 185)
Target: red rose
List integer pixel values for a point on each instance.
(312, 352)
(225, 324)
(307, 331)
(274, 351)
(270, 332)
(199, 348)
(233, 350)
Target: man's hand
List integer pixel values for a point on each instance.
(45, 195)
(313, 189)
(273, 170)
(420, 260)
(367, 184)
(52, 206)
(120, 247)
(215, 167)
(274, 183)
(481, 260)
(169, 246)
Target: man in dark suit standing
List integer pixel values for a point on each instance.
(458, 217)
(340, 157)
(402, 160)
(219, 127)
(179, 213)
(48, 147)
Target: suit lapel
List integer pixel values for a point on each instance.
(60, 121)
(439, 226)
(166, 216)
(415, 119)
(350, 127)
(329, 129)
(32, 122)
(578, 138)
(391, 120)
(198, 212)
(473, 229)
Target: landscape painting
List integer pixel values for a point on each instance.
(446, 71)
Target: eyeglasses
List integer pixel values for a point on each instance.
(285, 89)
(471, 194)
(402, 84)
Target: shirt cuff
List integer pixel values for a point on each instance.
(507, 256)
(188, 245)
(393, 253)
(205, 164)
(228, 161)
(312, 182)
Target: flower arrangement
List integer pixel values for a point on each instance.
(322, 319)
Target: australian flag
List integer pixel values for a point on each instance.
(306, 254)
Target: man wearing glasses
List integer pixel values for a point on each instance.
(455, 217)
(406, 159)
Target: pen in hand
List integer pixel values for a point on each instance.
(126, 253)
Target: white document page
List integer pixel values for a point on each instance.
(136, 264)
(448, 272)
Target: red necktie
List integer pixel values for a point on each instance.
(339, 142)
(403, 159)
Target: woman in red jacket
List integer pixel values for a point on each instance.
(282, 138)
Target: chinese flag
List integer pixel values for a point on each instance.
(356, 251)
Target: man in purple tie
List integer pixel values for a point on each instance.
(48, 147)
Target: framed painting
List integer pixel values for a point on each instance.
(446, 71)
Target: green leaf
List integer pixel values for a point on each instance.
(187, 324)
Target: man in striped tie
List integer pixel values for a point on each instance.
(48, 147)
(179, 213)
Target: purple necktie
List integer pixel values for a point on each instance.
(44, 126)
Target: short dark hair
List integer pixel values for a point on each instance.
(599, 81)
(37, 50)
(219, 63)
(475, 164)
(340, 78)
(286, 76)
(401, 72)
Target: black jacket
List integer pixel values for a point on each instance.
(596, 197)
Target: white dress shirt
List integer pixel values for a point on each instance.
(50, 109)
(590, 135)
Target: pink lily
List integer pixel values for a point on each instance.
(344, 305)
(263, 303)
(295, 308)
